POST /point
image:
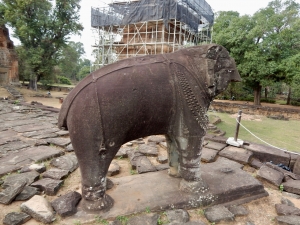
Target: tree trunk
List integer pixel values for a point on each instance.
(257, 91)
(32, 84)
(288, 101)
(266, 92)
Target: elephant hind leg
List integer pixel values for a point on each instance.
(173, 156)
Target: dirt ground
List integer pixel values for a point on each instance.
(261, 211)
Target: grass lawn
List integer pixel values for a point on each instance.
(282, 134)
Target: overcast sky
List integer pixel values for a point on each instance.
(87, 36)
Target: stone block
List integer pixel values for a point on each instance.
(239, 155)
(48, 185)
(238, 210)
(296, 168)
(26, 193)
(28, 177)
(255, 163)
(113, 169)
(288, 220)
(66, 162)
(156, 138)
(39, 208)
(65, 205)
(292, 186)
(285, 210)
(143, 165)
(56, 174)
(272, 176)
(268, 154)
(162, 159)
(178, 215)
(208, 155)
(216, 214)
(215, 145)
(15, 218)
(10, 192)
(146, 219)
(148, 150)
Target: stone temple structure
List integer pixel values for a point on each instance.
(8, 58)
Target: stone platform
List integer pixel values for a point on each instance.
(157, 191)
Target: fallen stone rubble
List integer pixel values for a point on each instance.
(29, 137)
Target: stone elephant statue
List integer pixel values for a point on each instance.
(141, 96)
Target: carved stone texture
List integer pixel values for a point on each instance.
(216, 214)
(148, 150)
(143, 165)
(10, 192)
(39, 208)
(66, 204)
(56, 174)
(273, 176)
(292, 186)
(146, 219)
(178, 215)
(67, 162)
(288, 220)
(48, 185)
(113, 169)
(237, 154)
(26, 193)
(28, 177)
(208, 155)
(15, 218)
(285, 210)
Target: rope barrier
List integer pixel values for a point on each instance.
(284, 150)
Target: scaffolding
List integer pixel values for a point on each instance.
(144, 27)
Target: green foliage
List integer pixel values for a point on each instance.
(281, 188)
(264, 45)
(148, 209)
(122, 219)
(133, 172)
(268, 100)
(63, 80)
(98, 219)
(43, 29)
(295, 103)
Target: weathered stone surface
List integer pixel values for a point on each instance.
(273, 176)
(208, 155)
(286, 173)
(162, 159)
(157, 139)
(56, 174)
(10, 192)
(187, 223)
(70, 148)
(15, 218)
(288, 220)
(45, 136)
(32, 127)
(293, 160)
(40, 132)
(66, 204)
(143, 165)
(255, 163)
(215, 145)
(218, 213)
(178, 215)
(237, 154)
(67, 162)
(148, 150)
(123, 152)
(39, 208)
(26, 193)
(133, 157)
(40, 168)
(268, 154)
(292, 195)
(28, 177)
(163, 145)
(12, 146)
(115, 222)
(62, 132)
(61, 142)
(296, 168)
(238, 210)
(109, 184)
(146, 219)
(285, 210)
(113, 169)
(292, 186)
(27, 156)
(286, 201)
(162, 167)
(48, 185)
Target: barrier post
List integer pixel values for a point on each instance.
(238, 125)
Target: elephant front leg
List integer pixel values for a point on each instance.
(190, 162)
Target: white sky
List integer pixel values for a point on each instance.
(87, 37)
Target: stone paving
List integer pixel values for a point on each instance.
(29, 136)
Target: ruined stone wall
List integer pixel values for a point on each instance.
(8, 59)
(272, 112)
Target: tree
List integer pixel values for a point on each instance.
(261, 43)
(70, 59)
(43, 28)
